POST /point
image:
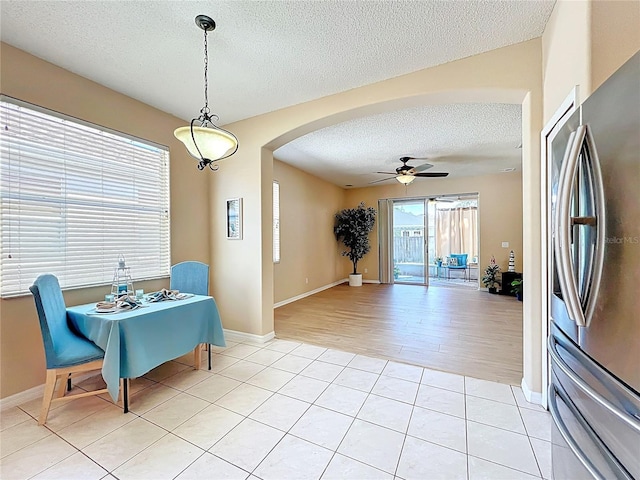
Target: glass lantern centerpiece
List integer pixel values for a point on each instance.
(122, 284)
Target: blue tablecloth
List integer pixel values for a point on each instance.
(136, 341)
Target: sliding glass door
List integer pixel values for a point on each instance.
(409, 239)
(418, 236)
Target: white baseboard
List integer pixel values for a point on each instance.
(309, 293)
(529, 395)
(235, 336)
(371, 281)
(22, 397)
(38, 391)
(35, 393)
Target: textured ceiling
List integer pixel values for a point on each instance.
(462, 139)
(266, 55)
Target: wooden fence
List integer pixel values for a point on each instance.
(408, 249)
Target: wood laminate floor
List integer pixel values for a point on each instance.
(459, 330)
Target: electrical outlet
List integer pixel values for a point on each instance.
(306, 280)
(366, 270)
(505, 244)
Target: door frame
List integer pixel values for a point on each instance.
(548, 133)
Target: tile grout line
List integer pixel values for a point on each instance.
(289, 430)
(535, 457)
(466, 427)
(349, 429)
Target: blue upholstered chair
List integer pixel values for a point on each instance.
(191, 277)
(459, 263)
(66, 353)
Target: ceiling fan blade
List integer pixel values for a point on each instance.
(432, 175)
(388, 173)
(422, 168)
(383, 180)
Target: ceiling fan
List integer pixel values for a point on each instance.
(407, 174)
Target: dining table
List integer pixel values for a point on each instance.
(137, 340)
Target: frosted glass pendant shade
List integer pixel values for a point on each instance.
(405, 179)
(212, 142)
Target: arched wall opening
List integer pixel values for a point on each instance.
(243, 279)
(432, 98)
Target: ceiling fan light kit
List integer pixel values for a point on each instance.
(204, 140)
(405, 179)
(407, 174)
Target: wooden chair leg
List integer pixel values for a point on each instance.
(49, 387)
(196, 356)
(62, 387)
(120, 400)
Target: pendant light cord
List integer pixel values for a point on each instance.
(205, 109)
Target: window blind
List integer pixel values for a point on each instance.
(74, 196)
(276, 222)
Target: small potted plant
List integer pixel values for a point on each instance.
(352, 227)
(439, 261)
(489, 278)
(516, 287)
(396, 272)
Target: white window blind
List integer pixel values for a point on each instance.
(276, 222)
(74, 196)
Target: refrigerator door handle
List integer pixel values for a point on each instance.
(571, 442)
(598, 222)
(580, 310)
(631, 420)
(562, 237)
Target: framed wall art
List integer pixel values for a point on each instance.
(234, 218)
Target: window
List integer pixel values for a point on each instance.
(276, 222)
(74, 196)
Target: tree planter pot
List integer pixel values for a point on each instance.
(493, 290)
(355, 280)
(519, 296)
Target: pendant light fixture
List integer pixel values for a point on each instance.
(405, 179)
(205, 141)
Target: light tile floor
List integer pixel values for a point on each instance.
(284, 410)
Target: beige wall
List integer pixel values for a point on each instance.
(566, 53)
(584, 42)
(308, 248)
(308, 205)
(30, 79)
(499, 220)
(615, 36)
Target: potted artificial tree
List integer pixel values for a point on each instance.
(490, 276)
(352, 227)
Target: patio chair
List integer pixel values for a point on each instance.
(457, 261)
(67, 354)
(191, 277)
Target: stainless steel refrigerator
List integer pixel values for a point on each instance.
(594, 341)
